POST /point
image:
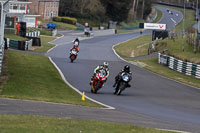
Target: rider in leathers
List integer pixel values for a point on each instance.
(126, 70)
(102, 68)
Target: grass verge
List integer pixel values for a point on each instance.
(65, 26)
(45, 45)
(15, 37)
(175, 49)
(159, 16)
(135, 47)
(34, 77)
(152, 65)
(41, 124)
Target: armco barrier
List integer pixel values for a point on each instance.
(187, 68)
(33, 34)
(13, 44)
(35, 41)
(20, 45)
(29, 44)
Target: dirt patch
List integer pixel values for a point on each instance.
(35, 47)
(132, 54)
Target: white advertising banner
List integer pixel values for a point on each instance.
(154, 26)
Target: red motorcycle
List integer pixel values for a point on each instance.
(98, 82)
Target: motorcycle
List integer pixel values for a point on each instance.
(73, 55)
(98, 82)
(122, 84)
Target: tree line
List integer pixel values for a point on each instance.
(181, 2)
(103, 10)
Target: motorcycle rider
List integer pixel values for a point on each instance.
(76, 40)
(102, 68)
(126, 70)
(75, 46)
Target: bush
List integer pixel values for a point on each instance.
(57, 19)
(69, 20)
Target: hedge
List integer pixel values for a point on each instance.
(57, 19)
(65, 20)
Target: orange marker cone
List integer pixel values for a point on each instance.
(83, 96)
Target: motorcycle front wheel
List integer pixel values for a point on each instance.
(72, 58)
(121, 87)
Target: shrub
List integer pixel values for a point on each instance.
(69, 20)
(57, 19)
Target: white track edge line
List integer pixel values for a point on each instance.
(37, 101)
(52, 48)
(64, 79)
(172, 130)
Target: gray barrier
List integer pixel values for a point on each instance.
(104, 32)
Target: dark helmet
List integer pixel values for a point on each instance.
(127, 68)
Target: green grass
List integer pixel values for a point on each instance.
(44, 32)
(137, 46)
(159, 16)
(152, 65)
(175, 49)
(34, 77)
(15, 37)
(65, 26)
(59, 35)
(45, 45)
(41, 124)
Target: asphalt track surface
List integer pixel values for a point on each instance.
(152, 101)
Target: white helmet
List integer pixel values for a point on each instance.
(76, 43)
(105, 64)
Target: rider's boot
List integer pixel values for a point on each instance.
(114, 84)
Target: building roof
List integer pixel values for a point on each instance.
(19, 2)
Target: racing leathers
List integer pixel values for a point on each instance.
(101, 69)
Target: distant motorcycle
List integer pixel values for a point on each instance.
(98, 82)
(73, 55)
(122, 84)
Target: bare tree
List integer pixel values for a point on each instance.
(132, 11)
(142, 12)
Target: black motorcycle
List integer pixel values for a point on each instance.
(122, 83)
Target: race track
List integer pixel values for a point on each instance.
(152, 100)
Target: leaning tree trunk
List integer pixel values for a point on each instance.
(132, 15)
(142, 9)
(136, 7)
